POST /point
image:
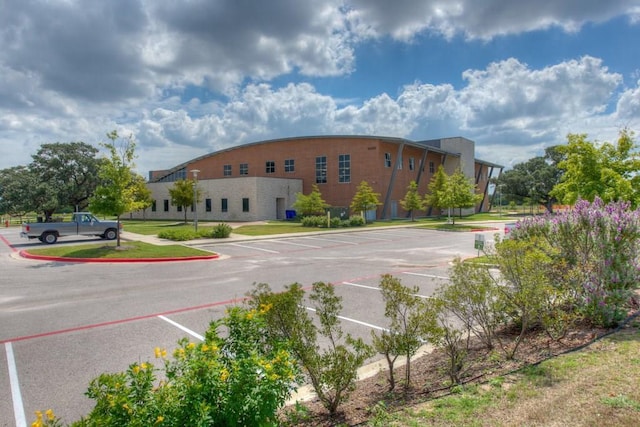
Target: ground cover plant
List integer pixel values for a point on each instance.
(130, 249)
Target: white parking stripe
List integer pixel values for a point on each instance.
(368, 325)
(18, 407)
(433, 276)
(358, 236)
(254, 247)
(297, 244)
(375, 288)
(179, 326)
(331, 240)
(378, 289)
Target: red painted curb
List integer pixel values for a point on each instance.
(27, 255)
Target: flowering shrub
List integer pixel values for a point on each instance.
(598, 254)
(236, 380)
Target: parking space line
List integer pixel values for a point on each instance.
(183, 328)
(378, 289)
(375, 288)
(433, 276)
(254, 247)
(18, 407)
(358, 236)
(296, 244)
(348, 319)
(331, 240)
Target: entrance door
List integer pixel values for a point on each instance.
(280, 208)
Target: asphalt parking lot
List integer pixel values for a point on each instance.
(65, 323)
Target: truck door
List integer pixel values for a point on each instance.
(86, 224)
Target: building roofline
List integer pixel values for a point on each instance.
(397, 140)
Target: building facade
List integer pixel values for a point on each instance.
(259, 181)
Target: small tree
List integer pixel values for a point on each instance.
(436, 187)
(472, 298)
(412, 201)
(452, 191)
(408, 321)
(182, 194)
(311, 204)
(364, 199)
(142, 194)
(525, 283)
(118, 191)
(332, 369)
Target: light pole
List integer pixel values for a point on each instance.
(195, 198)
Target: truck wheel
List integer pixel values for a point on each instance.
(110, 234)
(49, 238)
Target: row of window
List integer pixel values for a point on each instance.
(224, 205)
(344, 168)
(412, 163)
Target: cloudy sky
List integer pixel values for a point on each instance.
(187, 78)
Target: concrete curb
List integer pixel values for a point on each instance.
(25, 254)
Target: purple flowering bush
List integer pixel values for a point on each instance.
(597, 255)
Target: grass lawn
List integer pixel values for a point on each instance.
(597, 385)
(128, 249)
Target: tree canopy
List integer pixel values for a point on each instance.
(365, 198)
(609, 171)
(119, 190)
(412, 200)
(182, 194)
(61, 176)
(533, 179)
(310, 204)
(452, 191)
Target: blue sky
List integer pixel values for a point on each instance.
(186, 78)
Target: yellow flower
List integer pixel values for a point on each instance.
(224, 374)
(38, 421)
(205, 348)
(191, 346)
(160, 352)
(265, 307)
(136, 369)
(250, 315)
(50, 415)
(144, 365)
(159, 419)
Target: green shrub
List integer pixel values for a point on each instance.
(220, 231)
(314, 221)
(178, 234)
(235, 380)
(335, 223)
(356, 221)
(332, 368)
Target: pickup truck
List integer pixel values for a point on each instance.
(81, 224)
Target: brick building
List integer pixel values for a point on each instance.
(260, 180)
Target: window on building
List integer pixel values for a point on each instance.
(344, 168)
(179, 208)
(432, 167)
(224, 205)
(412, 163)
(153, 206)
(166, 205)
(245, 204)
(270, 166)
(400, 160)
(289, 165)
(387, 160)
(207, 205)
(244, 168)
(226, 170)
(321, 170)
